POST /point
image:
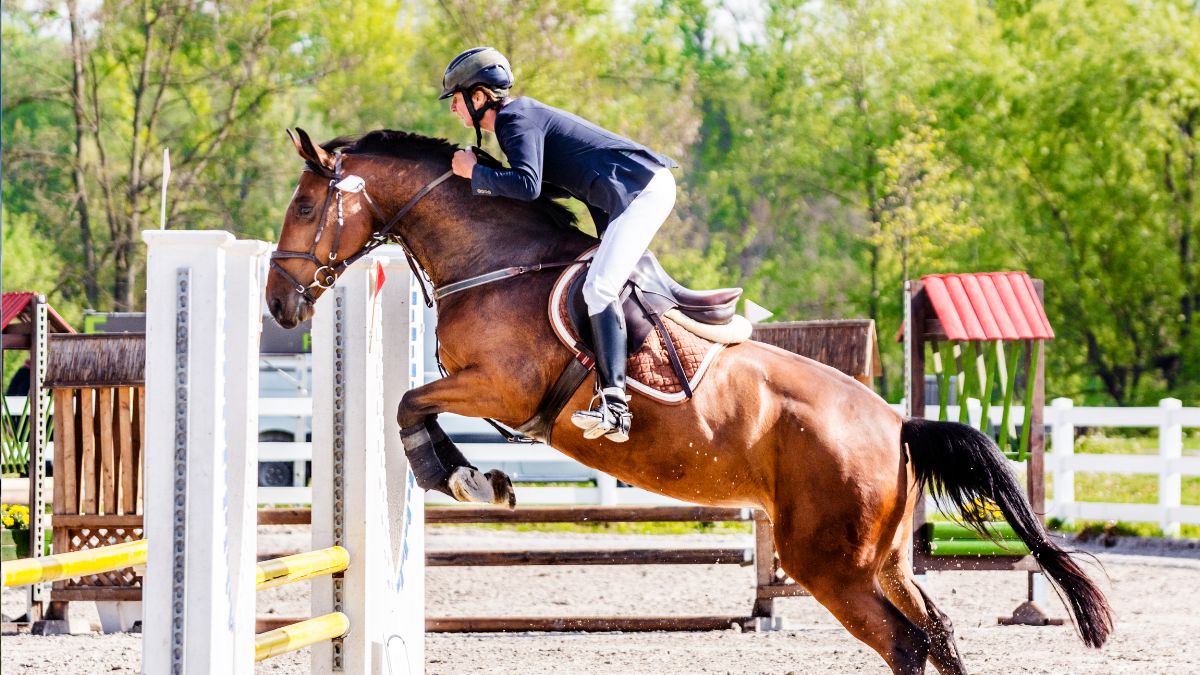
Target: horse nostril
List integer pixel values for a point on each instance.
(276, 306)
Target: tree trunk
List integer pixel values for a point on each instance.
(91, 287)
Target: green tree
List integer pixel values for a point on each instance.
(1098, 175)
(923, 205)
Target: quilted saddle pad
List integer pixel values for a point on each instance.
(649, 369)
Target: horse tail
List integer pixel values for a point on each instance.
(960, 465)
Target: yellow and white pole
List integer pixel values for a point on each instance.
(300, 567)
(300, 635)
(76, 564)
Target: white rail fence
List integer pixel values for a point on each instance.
(1169, 464)
(1062, 421)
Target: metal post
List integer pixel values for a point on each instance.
(38, 594)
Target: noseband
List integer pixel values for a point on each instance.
(327, 271)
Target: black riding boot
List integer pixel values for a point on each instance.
(610, 416)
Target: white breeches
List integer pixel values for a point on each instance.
(626, 239)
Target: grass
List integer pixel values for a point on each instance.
(1096, 527)
(1127, 488)
(1141, 444)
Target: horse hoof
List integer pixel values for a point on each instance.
(468, 485)
(502, 488)
(494, 487)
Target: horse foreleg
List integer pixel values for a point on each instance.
(436, 462)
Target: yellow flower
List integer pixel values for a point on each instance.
(15, 515)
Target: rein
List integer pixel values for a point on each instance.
(498, 275)
(327, 272)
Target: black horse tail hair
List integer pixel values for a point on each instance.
(959, 464)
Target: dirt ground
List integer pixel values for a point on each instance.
(1154, 588)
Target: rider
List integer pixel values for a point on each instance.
(628, 189)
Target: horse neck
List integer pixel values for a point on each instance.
(455, 235)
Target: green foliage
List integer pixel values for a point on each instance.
(923, 204)
(828, 150)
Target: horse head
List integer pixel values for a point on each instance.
(324, 223)
(357, 193)
(333, 219)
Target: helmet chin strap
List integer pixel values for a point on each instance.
(476, 115)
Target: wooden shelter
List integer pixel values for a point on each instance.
(97, 383)
(985, 329)
(850, 345)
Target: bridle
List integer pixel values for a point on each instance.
(327, 271)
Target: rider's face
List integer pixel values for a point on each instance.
(458, 107)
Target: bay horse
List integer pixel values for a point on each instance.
(835, 468)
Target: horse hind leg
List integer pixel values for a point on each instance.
(860, 605)
(898, 584)
(853, 596)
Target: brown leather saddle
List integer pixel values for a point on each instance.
(649, 293)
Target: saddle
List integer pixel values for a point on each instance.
(674, 334)
(651, 293)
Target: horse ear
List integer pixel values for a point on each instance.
(296, 142)
(309, 151)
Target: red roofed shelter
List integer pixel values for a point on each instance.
(982, 330)
(27, 322)
(21, 319)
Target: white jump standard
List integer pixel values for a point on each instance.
(203, 320)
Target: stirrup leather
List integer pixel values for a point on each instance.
(607, 415)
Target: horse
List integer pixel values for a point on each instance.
(837, 471)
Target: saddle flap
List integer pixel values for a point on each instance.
(637, 324)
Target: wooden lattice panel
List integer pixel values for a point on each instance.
(86, 538)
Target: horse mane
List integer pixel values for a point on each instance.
(415, 147)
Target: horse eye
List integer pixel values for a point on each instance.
(305, 210)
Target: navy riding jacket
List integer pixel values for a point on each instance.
(547, 145)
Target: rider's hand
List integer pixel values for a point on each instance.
(463, 163)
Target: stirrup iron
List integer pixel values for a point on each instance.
(607, 415)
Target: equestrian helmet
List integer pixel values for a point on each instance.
(480, 66)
